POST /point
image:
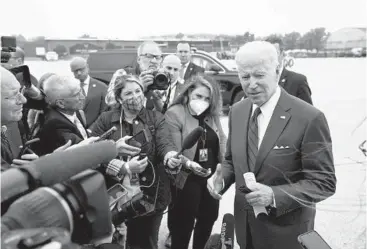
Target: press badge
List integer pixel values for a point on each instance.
(203, 155)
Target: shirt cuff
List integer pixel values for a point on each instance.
(116, 168)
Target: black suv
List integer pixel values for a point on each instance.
(103, 64)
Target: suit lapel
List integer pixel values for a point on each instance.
(242, 120)
(278, 122)
(71, 123)
(91, 92)
(178, 90)
(188, 72)
(283, 77)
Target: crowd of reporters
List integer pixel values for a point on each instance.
(163, 100)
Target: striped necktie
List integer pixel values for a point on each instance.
(5, 147)
(253, 140)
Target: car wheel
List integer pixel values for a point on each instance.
(237, 97)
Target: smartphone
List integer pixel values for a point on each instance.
(141, 137)
(22, 72)
(312, 240)
(116, 192)
(244, 189)
(25, 147)
(106, 134)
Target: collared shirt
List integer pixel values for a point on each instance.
(86, 84)
(74, 119)
(173, 90)
(267, 110)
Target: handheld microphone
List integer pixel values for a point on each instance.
(191, 139)
(227, 231)
(54, 168)
(224, 240)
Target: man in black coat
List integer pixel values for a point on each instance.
(294, 83)
(189, 68)
(62, 119)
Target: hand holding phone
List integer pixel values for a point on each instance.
(125, 149)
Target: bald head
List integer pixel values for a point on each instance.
(172, 65)
(257, 52)
(79, 67)
(172, 60)
(11, 99)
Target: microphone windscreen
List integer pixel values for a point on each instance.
(60, 166)
(214, 242)
(227, 231)
(192, 138)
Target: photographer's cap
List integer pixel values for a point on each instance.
(78, 63)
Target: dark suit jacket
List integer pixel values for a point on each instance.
(95, 102)
(296, 85)
(192, 69)
(304, 169)
(56, 131)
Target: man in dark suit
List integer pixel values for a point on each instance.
(188, 68)
(285, 143)
(62, 119)
(294, 83)
(93, 90)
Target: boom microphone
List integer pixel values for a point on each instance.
(54, 168)
(191, 139)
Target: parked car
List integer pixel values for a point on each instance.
(52, 56)
(104, 63)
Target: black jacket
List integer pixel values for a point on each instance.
(161, 143)
(296, 85)
(56, 131)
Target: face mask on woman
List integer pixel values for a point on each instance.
(134, 104)
(198, 106)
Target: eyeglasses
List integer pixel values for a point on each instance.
(174, 68)
(158, 57)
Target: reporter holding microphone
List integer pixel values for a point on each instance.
(198, 105)
(130, 117)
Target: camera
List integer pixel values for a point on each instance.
(139, 205)
(8, 45)
(161, 81)
(79, 205)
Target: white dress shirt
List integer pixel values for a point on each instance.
(267, 110)
(74, 119)
(86, 85)
(173, 90)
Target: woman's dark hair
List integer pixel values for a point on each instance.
(215, 102)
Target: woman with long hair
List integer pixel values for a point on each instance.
(199, 104)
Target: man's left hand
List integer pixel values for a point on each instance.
(261, 195)
(25, 159)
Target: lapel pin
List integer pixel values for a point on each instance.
(94, 85)
(283, 80)
(282, 117)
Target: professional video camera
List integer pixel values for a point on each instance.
(65, 193)
(161, 81)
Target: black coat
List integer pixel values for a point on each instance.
(296, 85)
(56, 131)
(161, 143)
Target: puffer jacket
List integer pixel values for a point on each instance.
(160, 143)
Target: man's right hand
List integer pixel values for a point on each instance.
(126, 150)
(137, 166)
(215, 183)
(146, 79)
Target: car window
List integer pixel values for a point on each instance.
(202, 62)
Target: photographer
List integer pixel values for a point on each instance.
(130, 118)
(12, 101)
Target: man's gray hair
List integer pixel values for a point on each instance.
(260, 51)
(141, 46)
(57, 87)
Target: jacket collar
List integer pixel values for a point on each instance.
(117, 113)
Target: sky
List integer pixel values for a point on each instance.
(132, 19)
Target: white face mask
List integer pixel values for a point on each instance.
(199, 106)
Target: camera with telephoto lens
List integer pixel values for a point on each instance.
(79, 205)
(161, 81)
(8, 45)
